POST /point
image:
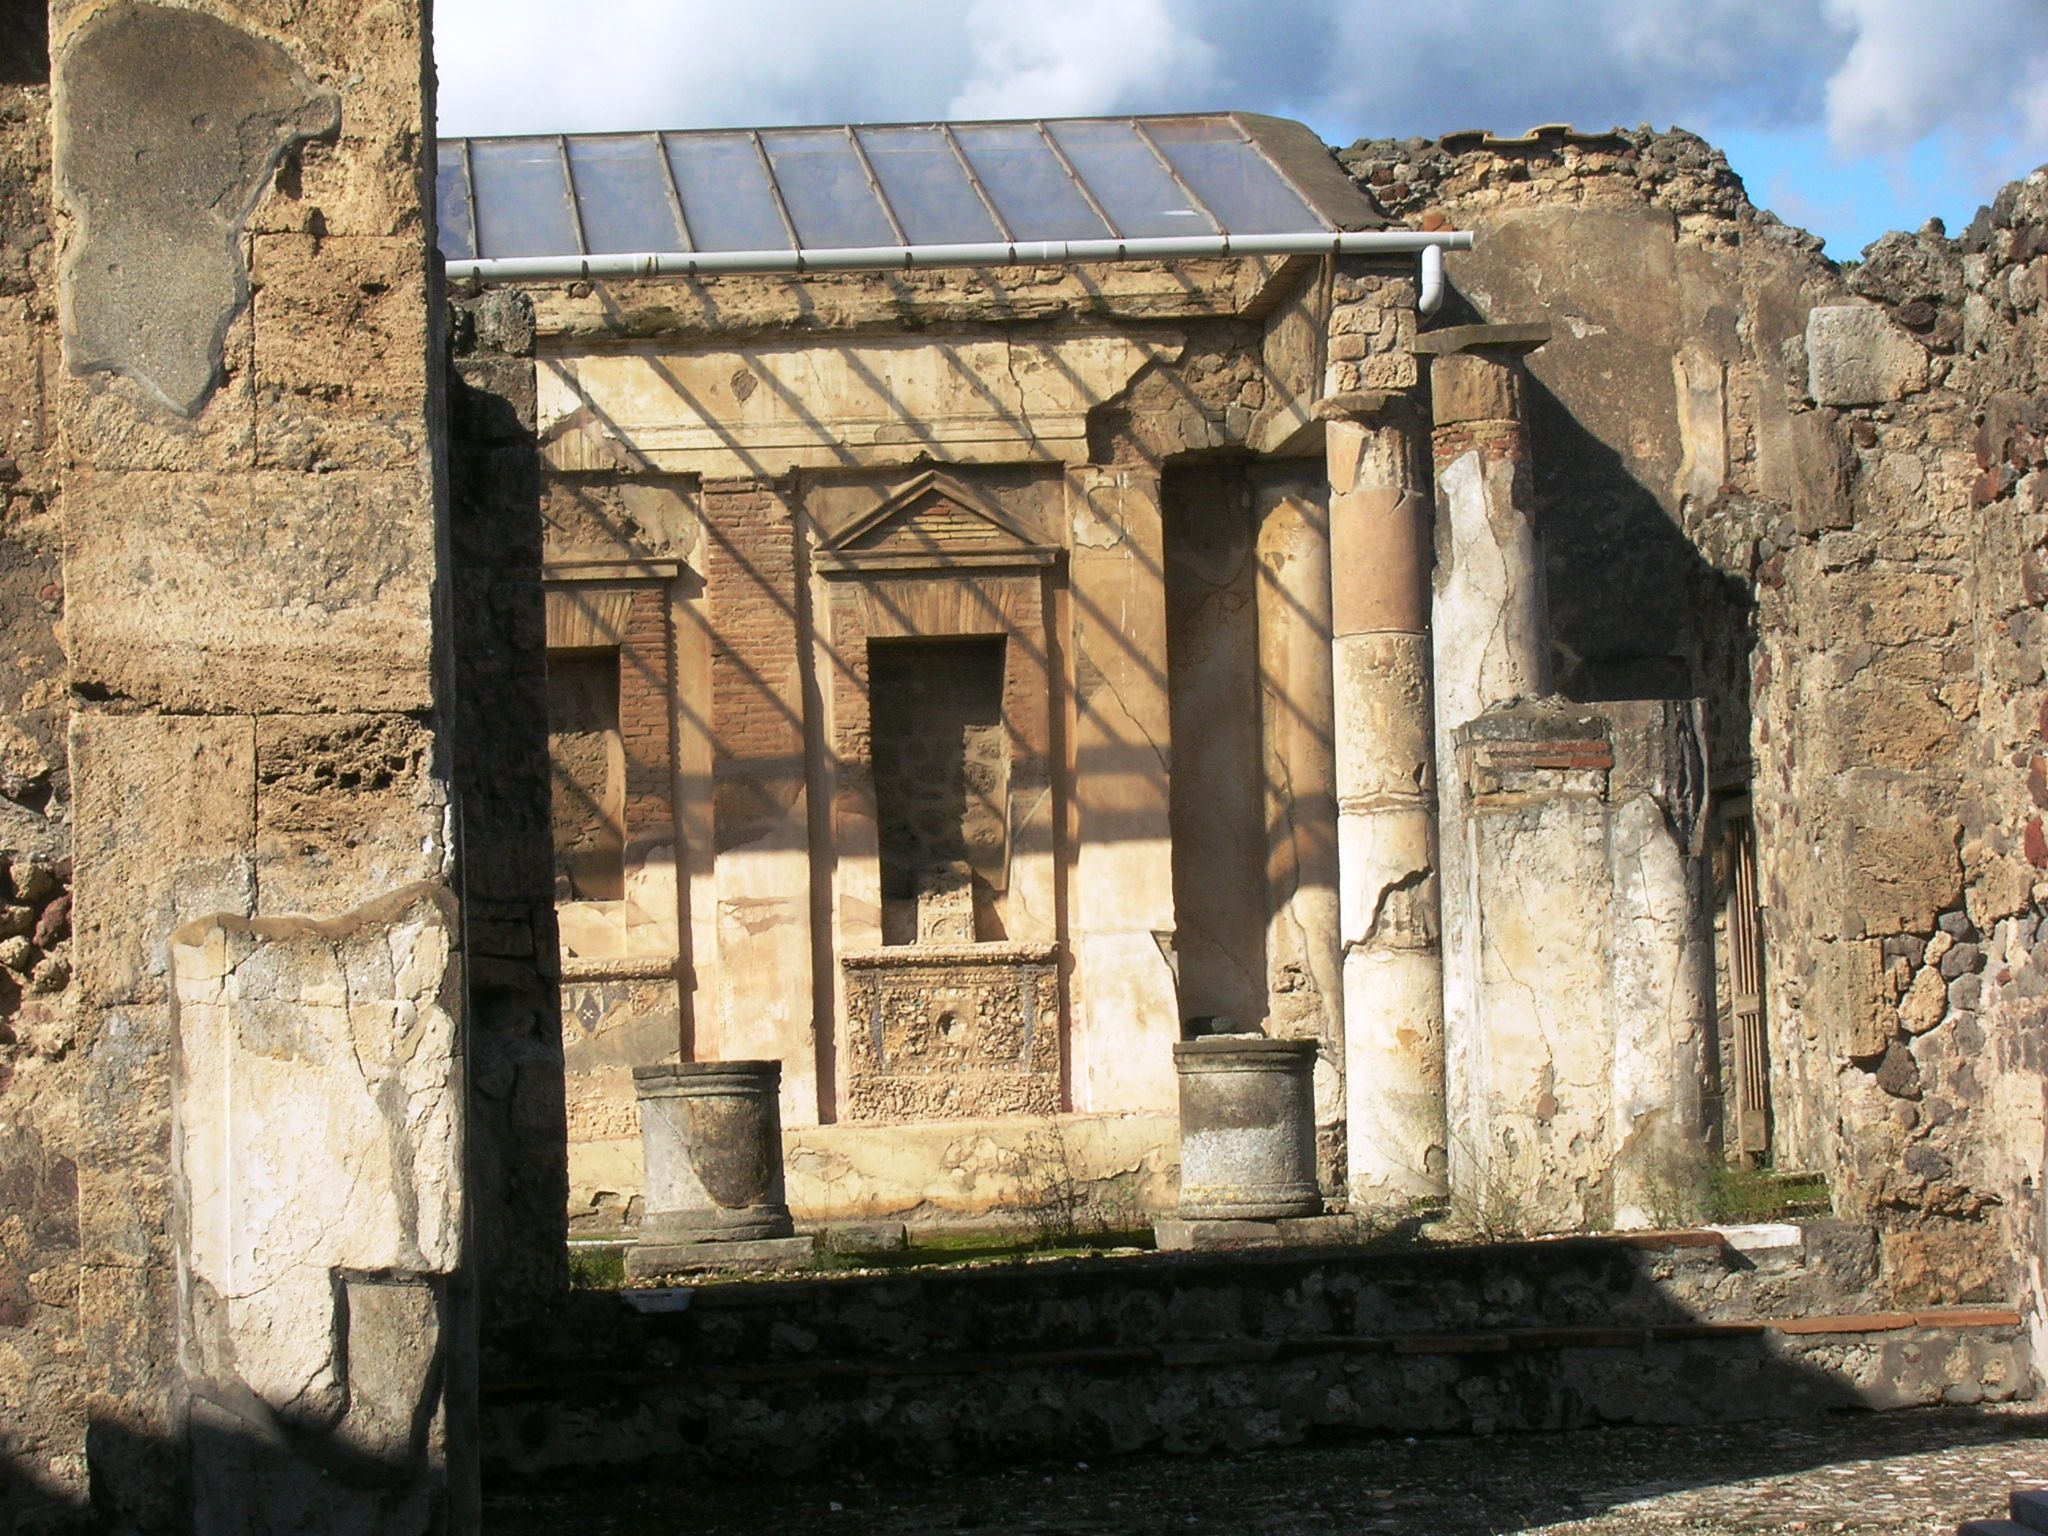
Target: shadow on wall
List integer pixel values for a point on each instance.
(625, 1394)
(225, 1481)
(518, 1126)
(1636, 610)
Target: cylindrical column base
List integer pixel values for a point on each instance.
(1247, 1128)
(1394, 1023)
(711, 1132)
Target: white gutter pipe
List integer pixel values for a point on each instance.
(1377, 242)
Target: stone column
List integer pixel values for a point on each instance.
(1123, 890)
(1490, 646)
(1386, 838)
(1304, 946)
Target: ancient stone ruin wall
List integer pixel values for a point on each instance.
(231, 450)
(1815, 504)
(1904, 653)
(518, 1151)
(42, 1377)
(730, 443)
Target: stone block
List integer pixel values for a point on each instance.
(266, 593)
(1174, 1234)
(164, 811)
(647, 1260)
(1891, 855)
(340, 360)
(1476, 387)
(492, 400)
(117, 423)
(1856, 355)
(347, 808)
(1849, 1001)
(318, 1097)
(1778, 1242)
(365, 181)
(1944, 1263)
(124, 1323)
(865, 1237)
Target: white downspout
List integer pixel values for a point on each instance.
(1431, 297)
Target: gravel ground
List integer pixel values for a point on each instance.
(1903, 1474)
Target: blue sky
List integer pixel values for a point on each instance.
(1849, 117)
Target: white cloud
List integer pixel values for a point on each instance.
(1598, 63)
(1879, 70)
(1915, 69)
(1880, 75)
(1066, 58)
(523, 66)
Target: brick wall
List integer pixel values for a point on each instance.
(755, 673)
(646, 681)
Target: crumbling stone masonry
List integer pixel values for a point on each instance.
(1383, 681)
(1842, 474)
(226, 421)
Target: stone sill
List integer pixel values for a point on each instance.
(905, 955)
(623, 968)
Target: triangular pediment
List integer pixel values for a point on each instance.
(935, 513)
(934, 521)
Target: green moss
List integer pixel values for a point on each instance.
(1737, 1196)
(597, 1269)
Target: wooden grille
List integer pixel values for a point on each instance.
(1745, 987)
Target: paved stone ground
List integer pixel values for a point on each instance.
(1904, 1474)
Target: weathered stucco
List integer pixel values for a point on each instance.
(1748, 549)
(317, 1110)
(1842, 486)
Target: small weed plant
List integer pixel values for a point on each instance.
(1058, 1205)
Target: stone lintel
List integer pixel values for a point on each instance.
(1519, 340)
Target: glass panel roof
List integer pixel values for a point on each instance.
(1030, 187)
(927, 186)
(826, 189)
(520, 198)
(1130, 180)
(883, 188)
(727, 199)
(1211, 161)
(622, 194)
(451, 195)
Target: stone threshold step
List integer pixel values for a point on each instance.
(2029, 1506)
(1229, 1352)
